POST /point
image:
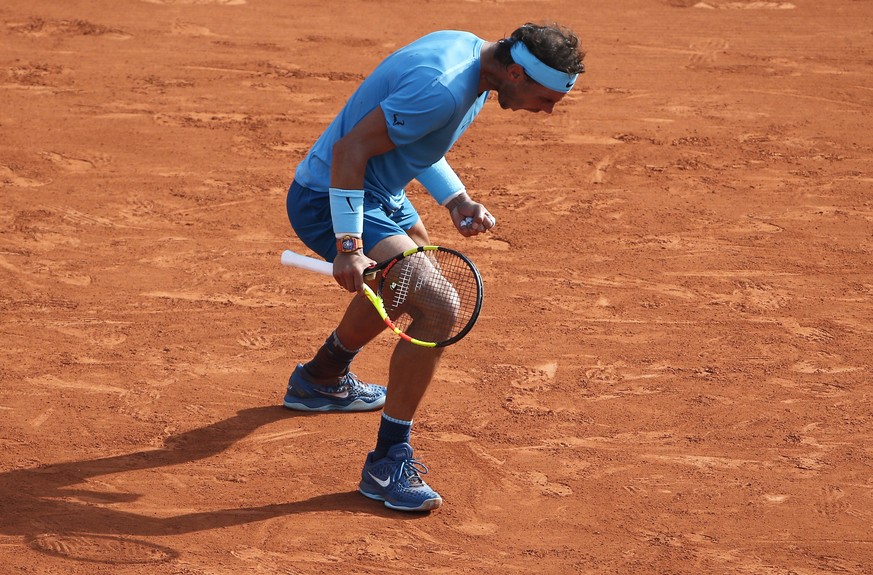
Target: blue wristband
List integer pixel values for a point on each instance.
(441, 181)
(347, 211)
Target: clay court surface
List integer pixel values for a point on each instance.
(671, 374)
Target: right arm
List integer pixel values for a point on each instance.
(369, 138)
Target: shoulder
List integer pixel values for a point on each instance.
(448, 58)
(439, 50)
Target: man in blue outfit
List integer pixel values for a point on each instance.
(348, 204)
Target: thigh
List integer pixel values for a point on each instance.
(386, 234)
(390, 246)
(418, 233)
(309, 214)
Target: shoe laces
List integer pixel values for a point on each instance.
(351, 381)
(411, 470)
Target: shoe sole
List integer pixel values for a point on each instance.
(357, 405)
(427, 505)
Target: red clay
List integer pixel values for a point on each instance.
(671, 372)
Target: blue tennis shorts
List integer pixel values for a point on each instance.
(309, 214)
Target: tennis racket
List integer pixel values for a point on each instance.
(430, 295)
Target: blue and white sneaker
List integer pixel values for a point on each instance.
(396, 480)
(350, 394)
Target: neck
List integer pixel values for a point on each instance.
(489, 68)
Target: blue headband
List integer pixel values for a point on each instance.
(541, 73)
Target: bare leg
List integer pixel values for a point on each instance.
(412, 367)
(360, 324)
(411, 370)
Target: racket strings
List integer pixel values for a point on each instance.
(433, 295)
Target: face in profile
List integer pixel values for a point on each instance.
(525, 94)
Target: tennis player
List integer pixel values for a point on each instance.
(348, 204)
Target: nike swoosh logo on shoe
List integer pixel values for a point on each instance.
(382, 482)
(338, 394)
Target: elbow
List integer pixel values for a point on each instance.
(349, 153)
(341, 152)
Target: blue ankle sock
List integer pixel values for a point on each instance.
(391, 432)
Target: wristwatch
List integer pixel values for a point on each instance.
(349, 244)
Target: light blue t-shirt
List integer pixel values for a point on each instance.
(429, 93)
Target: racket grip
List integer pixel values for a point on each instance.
(296, 260)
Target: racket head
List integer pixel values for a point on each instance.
(431, 295)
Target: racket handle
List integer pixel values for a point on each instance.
(296, 260)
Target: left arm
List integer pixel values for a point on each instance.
(447, 189)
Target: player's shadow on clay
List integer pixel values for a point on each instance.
(39, 500)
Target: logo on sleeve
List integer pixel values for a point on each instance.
(397, 121)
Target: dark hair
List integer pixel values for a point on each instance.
(553, 44)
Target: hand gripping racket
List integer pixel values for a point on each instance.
(430, 295)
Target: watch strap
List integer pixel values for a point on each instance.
(349, 244)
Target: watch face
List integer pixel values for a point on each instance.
(348, 245)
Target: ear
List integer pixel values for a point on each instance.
(515, 73)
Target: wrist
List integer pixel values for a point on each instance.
(349, 244)
(448, 201)
(347, 211)
(460, 198)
